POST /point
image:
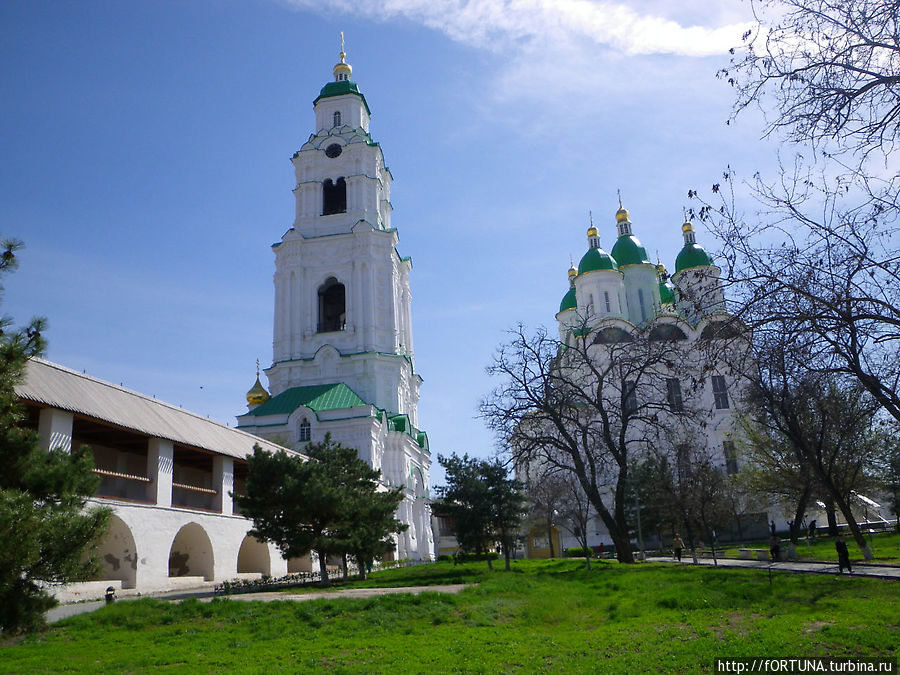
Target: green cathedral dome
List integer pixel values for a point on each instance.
(340, 89)
(568, 301)
(628, 251)
(596, 259)
(692, 255)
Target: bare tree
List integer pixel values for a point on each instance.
(575, 515)
(824, 70)
(825, 418)
(589, 407)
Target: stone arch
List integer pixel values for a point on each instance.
(334, 196)
(191, 553)
(301, 564)
(117, 554)
(253, 556)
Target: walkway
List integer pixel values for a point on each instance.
(859, 569)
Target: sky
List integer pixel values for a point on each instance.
(146, 166)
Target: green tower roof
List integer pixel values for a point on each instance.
(340, 89)
(568, 301)
(596, 259)
(316, 397)
(692, 255)
(629, 251)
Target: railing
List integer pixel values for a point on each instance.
(116, 474)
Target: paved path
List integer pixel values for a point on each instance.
(206, 595)
(859, 570)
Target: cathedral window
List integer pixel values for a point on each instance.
(606, 300)
(334, 196)
(720, 392)
(305, 432)
(683, 461)
(629, 397)
(641, 303)
(673, 394)
(337, 118)
(731, 465)
(332, 306)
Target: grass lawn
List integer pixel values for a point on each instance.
(543, 616)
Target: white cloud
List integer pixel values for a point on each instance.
(499, 24)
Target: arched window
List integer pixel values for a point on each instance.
(332, 306)
(304, 431)
(611, 335)
(334, 196)
(337, 118)
(666, 332)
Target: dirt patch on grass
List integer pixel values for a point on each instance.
(816, 626)
(736, 624)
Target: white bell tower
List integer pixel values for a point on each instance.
(342, 294)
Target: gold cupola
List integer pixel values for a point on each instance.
(342, 70)
(257, 394)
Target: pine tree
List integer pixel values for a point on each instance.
(330, 504)
(45, 528)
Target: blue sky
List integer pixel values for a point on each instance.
(146, 151)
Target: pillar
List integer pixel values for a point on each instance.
(55, 429)
(160, 466)
(223, 483)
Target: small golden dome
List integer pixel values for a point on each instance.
(257, 394)
(592, 231)
(661, 269)
(687, 227)
(342, 67)
(573, 272)
(622, 215)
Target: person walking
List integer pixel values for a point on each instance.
(772, 527)
(812, 529)
(677, 546)
(774, 548)
(843, 555)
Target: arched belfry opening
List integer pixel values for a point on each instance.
(332, 306)
(334, 196)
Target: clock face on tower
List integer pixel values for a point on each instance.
(333, 150)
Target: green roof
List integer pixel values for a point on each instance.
(340, 89)
(666, 293)
(629, 251)
(596, 259)
(568, 301)
(317, 397)
(692, 255)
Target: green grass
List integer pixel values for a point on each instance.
(543, 616)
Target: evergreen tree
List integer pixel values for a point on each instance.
(487, 505)
(44, 526)
(329, 504)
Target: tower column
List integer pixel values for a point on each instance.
(55, 429)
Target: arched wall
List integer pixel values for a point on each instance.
(191, 553)
(253, 556)
(117, 555)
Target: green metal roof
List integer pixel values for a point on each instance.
(340, 89)
(692, 255)
(568, 301)
(597, 259)
(666, 293)
(629, 251)
(316, 397)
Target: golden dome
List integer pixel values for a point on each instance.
(687, 227)
(592, 231)
(573, 272)
(622, 215)
(661, 269)
(257, 394)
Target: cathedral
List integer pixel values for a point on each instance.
(615, 296)
(343, 361)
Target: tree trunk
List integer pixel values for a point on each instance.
(832, 517)
(550, 533)
(854, 528)
(323, 569)
(361, 565)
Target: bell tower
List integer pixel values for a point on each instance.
(342, 294)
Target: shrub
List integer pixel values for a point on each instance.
(472, 557)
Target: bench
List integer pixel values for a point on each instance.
(754, 553)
